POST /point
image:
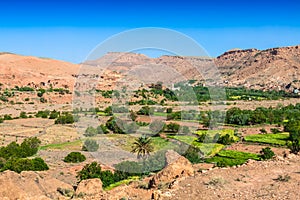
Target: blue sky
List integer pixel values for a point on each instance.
(69, 30)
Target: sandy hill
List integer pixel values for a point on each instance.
(17, 70)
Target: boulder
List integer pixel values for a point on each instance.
(176, 166)
(89, 187)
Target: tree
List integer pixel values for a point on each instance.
(74, 157)
(293, 127)
(142, 147)
(90, 145)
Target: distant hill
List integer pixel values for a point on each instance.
(276, 68)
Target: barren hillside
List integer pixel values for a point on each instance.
(276, 68)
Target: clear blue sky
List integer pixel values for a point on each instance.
(69, 30)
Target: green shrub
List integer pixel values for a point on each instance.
(66, 118)
(74, 157)
(145, 110)
(23, 115)
(43, 114)
(7, 117)
(54, 114)
(172, 127)
(24, 164)
(267, 153)
(226, 139)
(28, 147)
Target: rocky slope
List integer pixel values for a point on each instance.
(276, 68)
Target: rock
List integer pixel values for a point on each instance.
(176, 166)
(29, 185)
(89, 187)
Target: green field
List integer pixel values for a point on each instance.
(273, 139)
(160, 114)
(65, 145)
(209, 149)
(231, 158)
(126, 141)
(222, 132)
(123, 182)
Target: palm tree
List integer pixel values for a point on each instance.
(142, 147)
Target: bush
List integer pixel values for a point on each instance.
(43, 114)
(67, 118)
(145, 110)
(226, 139)
(90, 145)
(267, 153)
(74, 157)
(194, 155)
(24, 164)
(28, 147)
(89, 171)
(54, 114)
(172, 127)
(23, 115)
(7, 117)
